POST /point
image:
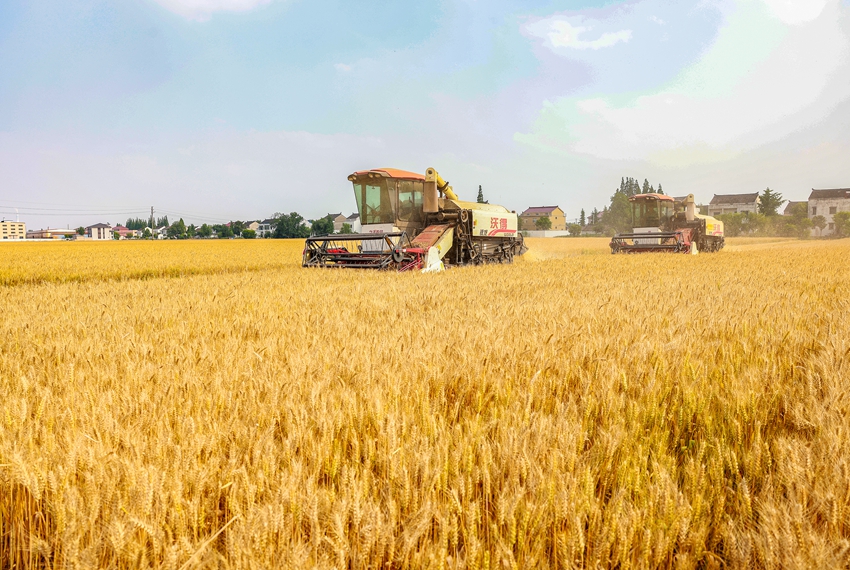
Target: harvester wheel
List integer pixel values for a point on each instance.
(398, 255)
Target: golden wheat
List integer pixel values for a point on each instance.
(574, 409)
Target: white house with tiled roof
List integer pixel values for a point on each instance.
(734, 204)
(827, 203)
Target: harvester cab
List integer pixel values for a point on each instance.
(414, 221)
(662, 224)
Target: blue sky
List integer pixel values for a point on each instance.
(220, 109)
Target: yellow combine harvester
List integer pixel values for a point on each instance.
(661, 224)
(410, 221)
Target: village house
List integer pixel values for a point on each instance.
(123, 232)
(354, 221)
(51, 234)
(99, 232)
(528, 219)
(827, 203)
(266, 227)
(338, 220)
(734, 204)
(13, 230)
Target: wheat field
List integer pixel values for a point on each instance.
(214, 405)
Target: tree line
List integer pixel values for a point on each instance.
(292, 225)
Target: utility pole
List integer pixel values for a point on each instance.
(151, 226)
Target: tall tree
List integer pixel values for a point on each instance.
(647, 189)
(480, 195)
(289, 226)
(770, 202)
(660, 191)
(594, 216)
(323, 226)
(581, 219)
(618, 218)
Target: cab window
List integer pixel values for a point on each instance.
(410, 194)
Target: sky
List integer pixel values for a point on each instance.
(218, 110)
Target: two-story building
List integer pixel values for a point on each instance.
(12, 230)
(99, 232)
(827, 203)
(528, 219)
(734, 204)
(266, 227)
(354, 221)
(338, 220)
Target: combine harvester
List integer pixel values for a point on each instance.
(661, 224)
(410, 221)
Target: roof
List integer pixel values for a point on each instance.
(751, 198)
(539, 210)
(269, 221)
(392, 173)
(790, 205)
(829, 194)
(354, 216)
(98, 226)
(663, 197)
(680, 198)
(335, 216)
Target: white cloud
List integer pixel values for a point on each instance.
(760, 81)
(657, 20)
(560, 33)
(796, 11)
(345, 68)
(202, 9)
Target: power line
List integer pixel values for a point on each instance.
(74, 210)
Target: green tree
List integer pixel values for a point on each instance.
(660, 191)
(191, 230)
(136, 223)
(480, 195)
(204, 231)
(116, 235)
(147, 234)
(81, 231)
(594, 216)
(770, 202)
(323, 226)
(647, 189)
(574, 229)
(819, 222)
(237, 227)
(618, 217)
(543, 223)
(754, 223)
(842, 224)
(732, 224)
(582, 220)
(223, 231)
(289, 226)
(177, 229)
(345, 228)
(249, 234)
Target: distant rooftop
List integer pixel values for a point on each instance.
(751, 198)
(829, 194)
(539, 210)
